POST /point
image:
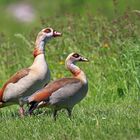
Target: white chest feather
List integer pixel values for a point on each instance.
(38, 76)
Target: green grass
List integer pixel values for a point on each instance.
(111, 109)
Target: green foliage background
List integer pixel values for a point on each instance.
(106, 32)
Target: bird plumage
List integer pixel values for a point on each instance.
(62, 93)
(26, 81)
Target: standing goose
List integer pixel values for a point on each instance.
(26, 81)
(62, 93)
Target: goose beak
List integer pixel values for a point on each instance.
(84, 59)
(56, 34)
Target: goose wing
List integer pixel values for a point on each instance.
(15, 78)
(51, 88)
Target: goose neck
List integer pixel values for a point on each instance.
(39, 48)
(75, 70)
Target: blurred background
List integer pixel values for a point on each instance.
(92, 23)
(19, 16)
(86, 25)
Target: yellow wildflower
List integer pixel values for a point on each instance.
(61, 62)
(105, 45)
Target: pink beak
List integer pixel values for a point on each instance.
(56, 34)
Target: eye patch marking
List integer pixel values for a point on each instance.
(47, 30)
(76, 55)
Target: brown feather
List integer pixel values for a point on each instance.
(52, 87)
(15, 78)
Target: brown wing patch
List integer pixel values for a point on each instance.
(60, 83)
(15, 78)
(52, 87)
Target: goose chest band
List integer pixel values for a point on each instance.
(37, 52)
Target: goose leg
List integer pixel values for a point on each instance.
(69, 112)
(21, 111)
(1, 104)
(32, 107)
(55, 114)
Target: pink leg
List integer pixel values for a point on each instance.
(1, 104)
(21, 111)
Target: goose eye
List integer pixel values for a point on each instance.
(47, 30)
(76, 55)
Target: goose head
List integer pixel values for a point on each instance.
(75, 57)
(47, 33)
(75, 70)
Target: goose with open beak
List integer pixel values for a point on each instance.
(26, 81)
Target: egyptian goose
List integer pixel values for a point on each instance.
(26, 81)
(62, 93)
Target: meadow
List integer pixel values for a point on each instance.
(110, 111)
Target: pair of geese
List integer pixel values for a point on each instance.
(31, 85)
